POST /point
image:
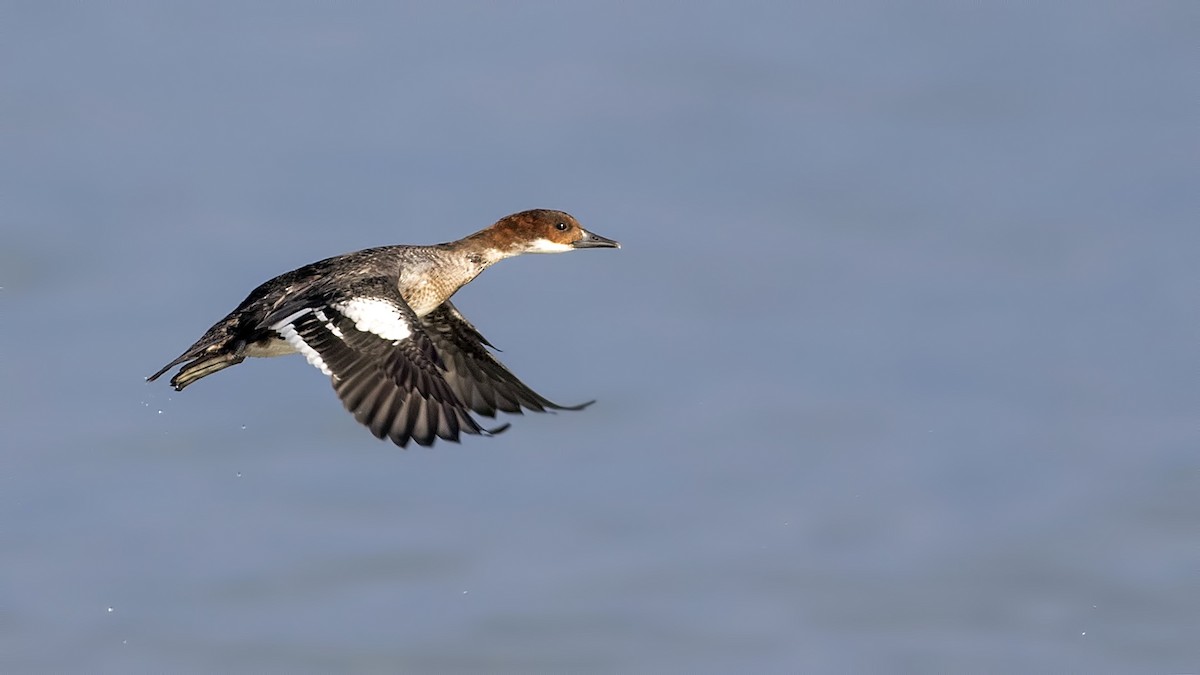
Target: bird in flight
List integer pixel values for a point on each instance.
(379, 323)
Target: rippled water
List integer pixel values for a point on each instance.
(896, 369)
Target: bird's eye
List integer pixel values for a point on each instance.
(562, 227)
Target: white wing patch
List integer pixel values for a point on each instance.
(288, 333)
(324, 318)
(376, 316)
(370, 315)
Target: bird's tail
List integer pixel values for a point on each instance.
(202, 359)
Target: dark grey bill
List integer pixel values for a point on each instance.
(589, 240)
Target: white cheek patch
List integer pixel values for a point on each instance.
(547, 246)
(376, 316)
(288, 333)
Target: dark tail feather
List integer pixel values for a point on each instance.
(167, 367)
(201, 364)
(205, 365)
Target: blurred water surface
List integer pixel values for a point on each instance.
(896, 369)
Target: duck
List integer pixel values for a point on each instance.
(380, 324)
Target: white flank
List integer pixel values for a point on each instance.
(376, 316)
(547, 246)
(288, 333)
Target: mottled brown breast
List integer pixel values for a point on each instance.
(428, 281)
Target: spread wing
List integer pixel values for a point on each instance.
(383, 364)
(480, 381)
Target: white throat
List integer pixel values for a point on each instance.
(547, 246)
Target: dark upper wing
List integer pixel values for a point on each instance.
(480, 381)
(383, 365)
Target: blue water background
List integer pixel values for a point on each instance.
(897, 369)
